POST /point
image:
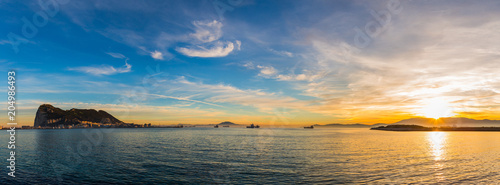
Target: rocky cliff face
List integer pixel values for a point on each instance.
(50, 116)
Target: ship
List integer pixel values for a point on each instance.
(253, 126)
(311, 127)
(216, 126)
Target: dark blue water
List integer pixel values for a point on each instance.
(257, 156)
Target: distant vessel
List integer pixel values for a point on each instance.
(253, 126)
(216, 126)
(311, 127)
(225, 126)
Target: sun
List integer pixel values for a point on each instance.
(436, 108)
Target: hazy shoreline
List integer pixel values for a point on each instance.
(427, 129)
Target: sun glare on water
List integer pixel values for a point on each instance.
(436, 108)
(437, 141)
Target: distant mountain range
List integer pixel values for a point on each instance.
(451, 121)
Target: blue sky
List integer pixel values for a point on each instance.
(273, 62)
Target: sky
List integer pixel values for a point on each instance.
(245, 61)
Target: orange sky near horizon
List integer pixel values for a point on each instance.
(279, 119)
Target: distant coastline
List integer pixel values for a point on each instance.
(50, 117)
(75, 127)
(446, 129)
(356, 125)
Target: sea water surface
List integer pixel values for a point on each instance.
(256, 156)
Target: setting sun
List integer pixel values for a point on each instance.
(436, 108)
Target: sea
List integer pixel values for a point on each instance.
(251, 156)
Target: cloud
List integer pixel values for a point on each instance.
(266, 71)
(272, 73)
(298, 77)
(223, 93)
(424, 54)
(282, 53)
(249, 65)
(117, 55)
(103, 69)
(220, 49)
(238, 45)
(2, 42)
(204, 42)
(157, 55)
(207, 31)
(129, 37)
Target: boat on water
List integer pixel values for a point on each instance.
(311, 127)
(253, 126)
(216, 126)
(225, 126)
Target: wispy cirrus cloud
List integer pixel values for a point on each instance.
(167, 33)
(264, 70)
(103, 69)
(282, 53)
(268, 71)
(117, 55)
(206, 43)
(219, 49)
(223, 93)
(2, 42)
(207, 31)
